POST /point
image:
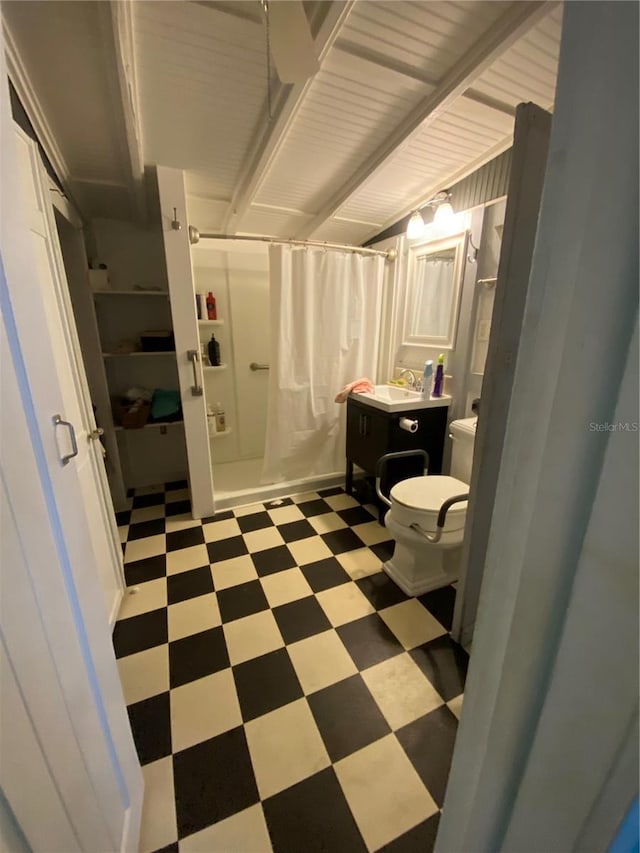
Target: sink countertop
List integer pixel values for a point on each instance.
(392, 398)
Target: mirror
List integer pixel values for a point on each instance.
(433, 292)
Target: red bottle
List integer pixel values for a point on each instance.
(212, 314)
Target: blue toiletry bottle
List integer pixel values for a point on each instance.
(437, 385)
(427, 378)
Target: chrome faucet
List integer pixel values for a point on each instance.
(412, 377)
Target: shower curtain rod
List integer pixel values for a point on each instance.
(195, 236)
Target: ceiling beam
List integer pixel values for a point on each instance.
(272, 133)
(408, 71)
(245, 11)
(519, 18)
(118, 38)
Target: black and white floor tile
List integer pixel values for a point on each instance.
(283, 693)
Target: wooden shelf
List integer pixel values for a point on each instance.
(153, 425)
(211, 323)
(211, 367)
(136, 354)
(164, 293)
(221, 434)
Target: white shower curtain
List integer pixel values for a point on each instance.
(325, 318)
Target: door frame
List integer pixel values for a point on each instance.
(547, 724)
(177, 250)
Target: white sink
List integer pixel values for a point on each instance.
(391, 398)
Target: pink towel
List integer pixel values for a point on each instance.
(360, 386)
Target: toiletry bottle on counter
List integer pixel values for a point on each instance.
(427, 378)
(212, 313)
(214, 352)
(437, 385)
(221, 424)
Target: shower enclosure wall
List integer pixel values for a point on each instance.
(237, 273)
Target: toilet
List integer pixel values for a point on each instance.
(419, 565)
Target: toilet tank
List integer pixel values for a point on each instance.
(463, 436)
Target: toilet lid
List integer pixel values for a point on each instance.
(427, 494)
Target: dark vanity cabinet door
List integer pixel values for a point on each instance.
(367, 435)
(371, 433)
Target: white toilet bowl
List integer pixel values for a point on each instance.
(419, 565)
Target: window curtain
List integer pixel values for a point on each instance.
(325, 319)
(434, 291)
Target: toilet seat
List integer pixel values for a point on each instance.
(418, 501)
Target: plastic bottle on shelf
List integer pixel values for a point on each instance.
(221, 424)
(212, 313)
(214, 352)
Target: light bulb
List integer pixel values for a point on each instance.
(444, 215)
(416, 226)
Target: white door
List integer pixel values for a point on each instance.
(49, 303)
(60, 679)
(177, 252)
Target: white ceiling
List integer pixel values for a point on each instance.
(409, 98)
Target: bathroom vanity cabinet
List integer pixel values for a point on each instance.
(372, 432)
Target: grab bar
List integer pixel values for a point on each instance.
(399, 454)
(442, 517)
(256, 366)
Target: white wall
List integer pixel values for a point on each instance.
(238, 275)
(248, 276)
(464, 386)
(483, 297)
(210, 273)
(133, 254)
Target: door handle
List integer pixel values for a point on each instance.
(255, 366)
(194, 356)
(67, 457)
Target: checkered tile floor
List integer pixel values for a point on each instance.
(283, 693)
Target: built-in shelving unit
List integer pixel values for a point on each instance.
(98, 293)
(137, 354)
(154, 425)
(205, 323)
(153, 453)
(213, 367)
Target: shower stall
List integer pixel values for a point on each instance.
(292, 325)
(237, 274)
